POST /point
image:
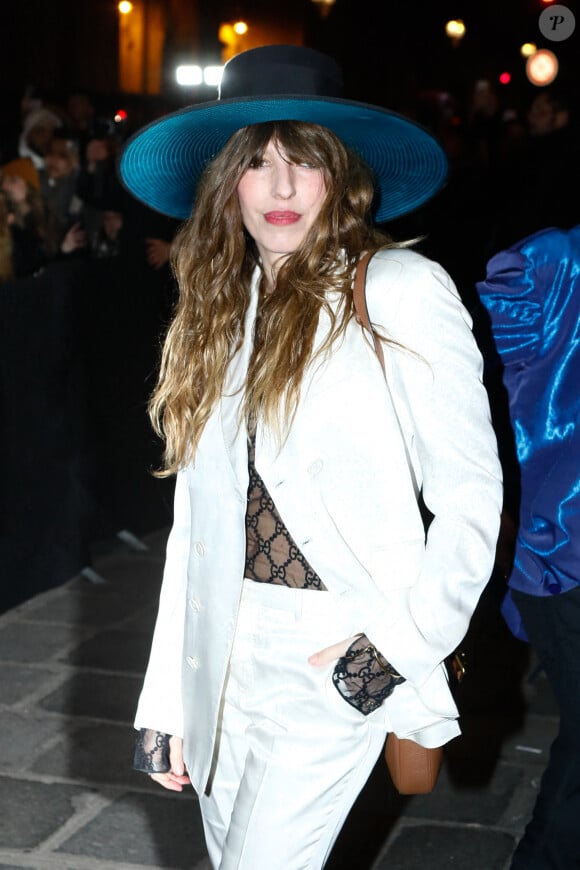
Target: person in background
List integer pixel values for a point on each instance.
(158, 252)
(38, 129)
(106, 244)
(33, 229)
(37, 238)
(532, 295)
(6, 245)
(98, 178)
(58, 183)
(549, 114)
(537, 185)
(303, 613)
(81, 119)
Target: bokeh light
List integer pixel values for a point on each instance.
(542, 67)
(455, 28)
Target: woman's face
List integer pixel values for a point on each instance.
(60, 160)
(15, 189)
(280, 201)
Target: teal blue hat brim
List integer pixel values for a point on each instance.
(162, 163)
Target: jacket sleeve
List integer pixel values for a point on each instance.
(434, 372)
(511, 296)
(160, 703)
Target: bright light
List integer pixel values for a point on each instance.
(189, 74)
(125, 7)
(528, 49)
(455, 28)
(212, 75)
(542, 67)
(121, 115)
(505, 78)
(240, 27)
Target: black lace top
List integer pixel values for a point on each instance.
(271, 553)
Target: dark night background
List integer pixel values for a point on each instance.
(79, 351)
(389, 50)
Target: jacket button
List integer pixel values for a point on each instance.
(315, 467)
(193, 662)
(194, 604)
(199, 548)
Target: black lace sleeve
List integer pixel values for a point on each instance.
(364, 677)
(152, 752)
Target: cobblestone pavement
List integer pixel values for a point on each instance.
(71, 664)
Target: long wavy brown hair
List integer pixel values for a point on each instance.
(6, 263)
(214, 259)
(34, 216)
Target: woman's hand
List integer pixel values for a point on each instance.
(75, 239)
(158, 252)
(330, 653)
(361, 675)
(177, 777)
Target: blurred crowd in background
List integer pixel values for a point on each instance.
(60, 193)
(513, 170)
(85, 292)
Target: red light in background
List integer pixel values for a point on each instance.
(121, 115)
(505, 78)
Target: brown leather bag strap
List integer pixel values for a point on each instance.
(360, 305)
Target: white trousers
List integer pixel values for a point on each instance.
(291, 755)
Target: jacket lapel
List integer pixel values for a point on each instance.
(233, 430)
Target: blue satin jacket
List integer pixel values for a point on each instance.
(532, 295)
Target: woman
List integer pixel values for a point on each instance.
(34, 233)
(296, 470)
(6, 245)
(59, 182)
(36, 238)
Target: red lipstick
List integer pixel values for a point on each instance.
(282, 218)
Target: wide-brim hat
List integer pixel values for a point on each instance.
(161, 164)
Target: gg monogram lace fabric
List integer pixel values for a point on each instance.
(151, 752)
(364, 677)
(271, 553)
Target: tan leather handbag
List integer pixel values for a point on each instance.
(413, 768)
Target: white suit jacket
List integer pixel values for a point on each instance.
(345, 482)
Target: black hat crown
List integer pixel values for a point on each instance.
(281, 69)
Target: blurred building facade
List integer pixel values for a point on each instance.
(98, 48)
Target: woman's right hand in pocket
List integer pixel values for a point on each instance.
(177, 776)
